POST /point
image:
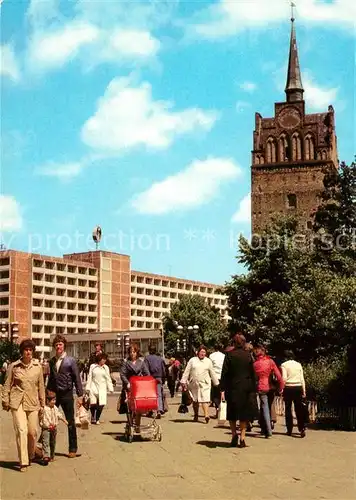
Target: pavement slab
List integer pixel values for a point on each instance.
(193, 461)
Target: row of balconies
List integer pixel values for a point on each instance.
(64, 269)
(145, 324)
(70, 283)
(59, 291)
(156, 283)
(75, 323)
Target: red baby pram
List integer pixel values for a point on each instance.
(142, 398)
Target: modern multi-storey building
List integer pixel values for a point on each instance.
(88, 292)
(152, 296)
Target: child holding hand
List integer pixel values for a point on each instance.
(49, 421)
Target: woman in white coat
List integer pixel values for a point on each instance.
(197, 379)
(98, 384)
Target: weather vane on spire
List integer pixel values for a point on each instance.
(292, 6)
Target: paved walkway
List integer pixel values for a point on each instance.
(193, 461)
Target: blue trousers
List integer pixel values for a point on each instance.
(265, 417)
(160, 397)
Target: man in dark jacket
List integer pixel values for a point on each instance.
(64, 374)
(157, 368)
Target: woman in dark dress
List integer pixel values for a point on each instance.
(238, 389)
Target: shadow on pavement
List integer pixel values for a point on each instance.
(117, 421)
(185, 421)
(214, 444)
(9, 465)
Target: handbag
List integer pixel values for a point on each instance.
(122, 407)
(222, 415)
(186, 398)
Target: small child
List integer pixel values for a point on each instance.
(49, 421)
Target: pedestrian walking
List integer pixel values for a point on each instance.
(24, 394)
(63, 377)
(198, 377)
(294, 392)
(49, 420)
(238, 386)
(172, 376)
(133, 366)
(157, 369)
(94, 355)
(217, 358)
(264, 368)
(98, 385)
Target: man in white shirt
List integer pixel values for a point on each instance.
(217, 358)
(294, 392)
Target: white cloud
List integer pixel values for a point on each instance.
(243, 213)
(248, 86)
(318, 98)
(54, 49)
(10, 214)
(194, 186)
(134, 43)
(8, 63)
(63, 171)
(114, 32)
(127, 116)
(226, 18)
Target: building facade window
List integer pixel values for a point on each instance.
(271, 151)
(292, 200)
(296, 147)
(283, 148)
(309, 147)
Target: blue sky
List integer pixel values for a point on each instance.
(139, 117)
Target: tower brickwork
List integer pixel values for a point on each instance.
(290, 153)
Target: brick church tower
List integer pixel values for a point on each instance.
(290, 153)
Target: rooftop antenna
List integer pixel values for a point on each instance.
(97, 233)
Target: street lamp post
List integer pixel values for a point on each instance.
(187, 340)
(9, 332)
(123, 343)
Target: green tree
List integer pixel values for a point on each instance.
(193, 310)
(8, 351)
(335, 221)
(287, 299)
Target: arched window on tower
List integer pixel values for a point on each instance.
(283, 147)
(271, 150)
(296, 147)
(309, 150)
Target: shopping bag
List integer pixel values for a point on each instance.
(222, 413)
(83, 418)
(77, 419)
